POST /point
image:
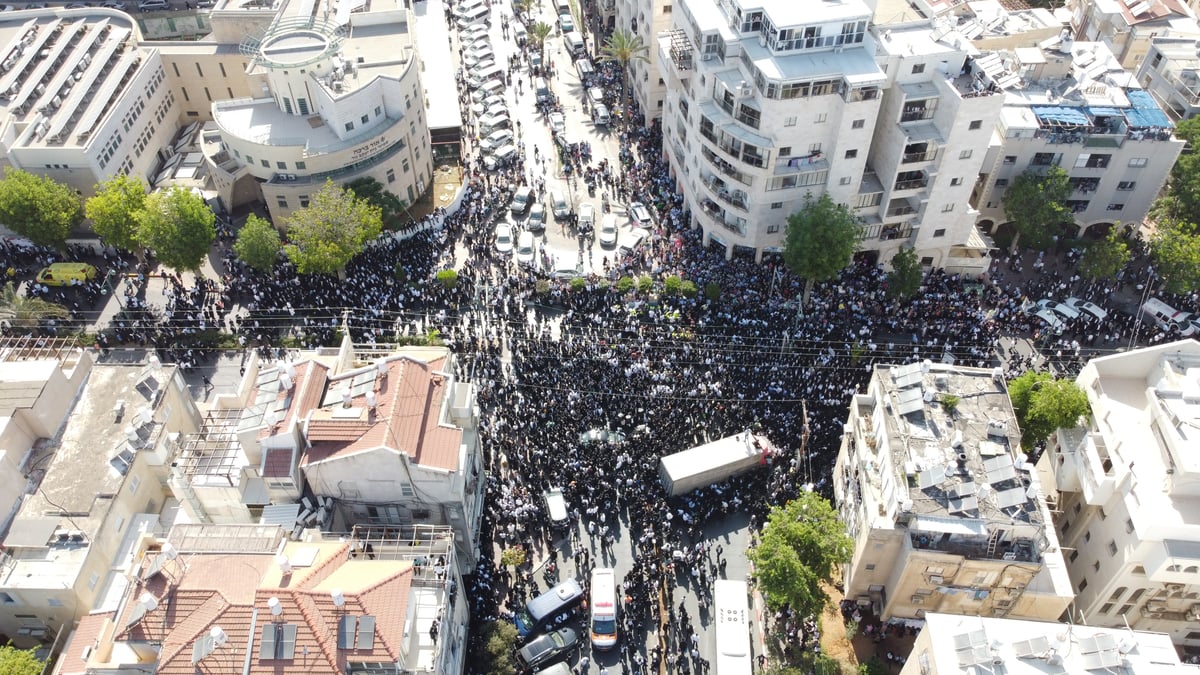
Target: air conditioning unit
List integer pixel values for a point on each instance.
(917, 599)
(706, 57)
(935, 578)
(1174, 587)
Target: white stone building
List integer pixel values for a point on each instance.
(1171, 73)
(1128, 502)
(646, 19)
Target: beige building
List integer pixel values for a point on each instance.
(945, 512)
(301, 607)
(102, 489)
(1127, 27)
(951, 644)
(1171, 73)
(1128, 492)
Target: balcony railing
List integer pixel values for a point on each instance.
(720, 164)
(914, 184)
(900, 211)
(917, 114)
(913, 157)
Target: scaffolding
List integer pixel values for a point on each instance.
(35, 348)
(214, 450)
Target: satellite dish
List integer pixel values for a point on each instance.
(218, 636)
(338, 599)
(275, 606)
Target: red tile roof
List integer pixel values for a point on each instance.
(277, 463)
(307, 388)
(406, 418)
(224, 590)
(71, 661)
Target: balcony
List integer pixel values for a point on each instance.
(735, 198)
(717, 217)
(720, 164)
(911, 180)
(915, 153)
(811, 162)
(898, 208)
(916, 114)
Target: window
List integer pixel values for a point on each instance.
(851, 154)
(965, 154)
(844, 180)
(1087, 536)
(858, 124)
(777, 205)
(789, 121)
(265, 163)
(281, 201)
(1127, 185)
(249, 159)
(1138, 162)
(870, 567)
(349, 126)
(1103, 515)
(1112, 547)
(947, 208)
(222, 67)
(378, 111)
(1129, 528)
(7, 599)
(1125, 609)
(785, 151)
(975, 124)
(1115, 207)
(1078, 507)
(365, 118)
(1106, 608)
(1001, 182)
(821, 117)
(1089, 161)
(1116, 595)
(955, 181)
(1010, 159)
(918, 68)
(1082, 584)
(300, 166)
(772, 229)
(927, 261)
(391, 175)
(134, 484)
(1073, 556)
(1140, 571)
(304, 201)
(54, 602)
(198, 71)
(939, 232)
(1095, 566)
(185, 94)
(93, 580)
(281, 165)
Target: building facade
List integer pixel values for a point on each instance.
(1127, 488)
(1128, 27)
(646, 19)
(1171, 73)
(945, 512)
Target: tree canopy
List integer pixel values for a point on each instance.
(1182, 201)
(1044, 404)
(39, 208)
(905, 278)
(799, 547)
(1104, 258)
(1175, 249)
(1036, 205)
(373, 191)
(258, 244)
(15, 661)
(821, 239)
(332, 229)
(113, 210)
(623, 48)
(178, 226)
(497, 639)
(27, 312)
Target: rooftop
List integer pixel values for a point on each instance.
(855, 64)
(399, 402)
(437, 68)
(1017, 647)
(61, 71)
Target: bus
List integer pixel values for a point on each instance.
(733, 628)
(604, 608)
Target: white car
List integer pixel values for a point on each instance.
(587, 216)
(1084, 306)
(537, 218)
(639, 215)
(496, 140)
(558, 123)
(558, 204)
(526, 255)
(608, 231)
(479, 58)
(504, 238)
(481, 108)
(474, 33)
(1050, 319)
(1058, 308)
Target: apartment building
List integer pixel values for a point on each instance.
(1171, 74)
(348, 437)
(1073, 105)
(102, 489)
(646, 19)
(770, 102)
(80, 99)
(956, 644)
(1128, 490)
(316, 605)
(1128, 27)
(945, 512)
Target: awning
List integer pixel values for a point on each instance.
(31, 532)
(1060, 114)
(284, 515)
(1145, 112)
(950, 525)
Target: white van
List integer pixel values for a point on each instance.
(520, 34)
(480, 75)
(603, 625)
(1167, 317)
(479, 14)
(574, 44)
(600, 115)
(556, 507)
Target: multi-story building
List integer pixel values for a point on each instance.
(1074, 106)
(1171, 73)
(945, 512)
(1128, 492)
(350, 437)
(241, 598)
(1127, 27)
(770, 103)
(102, 490)
(80, 99)
(337, 96)
(646, 19)
(950, 644)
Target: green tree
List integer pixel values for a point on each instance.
(1036, 205)
(800, 545)
(22, 311)
(1175, 249)
(177, 225)
(15, 661)
(624, 48)
(821, 239)
(672, 284)
(905, 278)
(1044, 404)
(373, 191)
(498, 638)
(114, 208)
(1182, 201)
(258, 244)
(538, 34)
(332, 229)
(1105, 257)
(38, 208)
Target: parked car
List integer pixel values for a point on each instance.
(496, 140)
(1083, 306)
(521, 201)
(587, 216)
(526, 255)
(639, 215)
(537, 218)
(558, 123)
(1058, 308)
(559, 204)
(504, 238)
(66, 274)
(489, 105)
(500, 157)
(1047, 316)
(608, 230)
(566, 22)
(548, 648)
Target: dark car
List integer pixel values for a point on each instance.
(548, 648)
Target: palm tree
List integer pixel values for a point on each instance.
(538, 34)
(624, 48)
(22, 311)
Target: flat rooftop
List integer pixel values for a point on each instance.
(61, 70)
(856, 64)
(437, 67)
